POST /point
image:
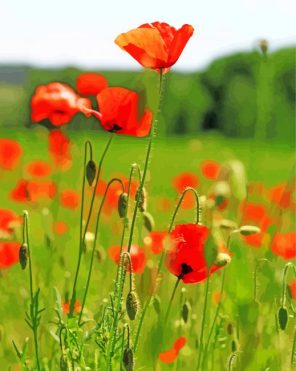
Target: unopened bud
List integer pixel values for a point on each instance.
(90, 172)
(122, 205)
(227, 224)
(148, 221)
(233, 346)
(142, 202)
(128, 359)
(247, 230)
(23, 255)
(185, 312)
(222, 259)
(263, 44)
(132, 304)
(283, 317)
(156, 304)
(230, 328)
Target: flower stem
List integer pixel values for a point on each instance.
(34, 327)
(171, 300)
(200, 348)
(82, 234)
(284, 286)
(95, 241)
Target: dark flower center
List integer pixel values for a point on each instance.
(185, 269)
(115, 128)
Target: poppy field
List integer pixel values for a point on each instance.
(122, 248)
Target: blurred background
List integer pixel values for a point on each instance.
(236, 76)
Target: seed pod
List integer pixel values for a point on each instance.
(148, 221)
(132, 304)
(247, 230)
(122, 205)
(90, 172)
(128, 359)
(283, 317)
(23, 255)
(222, 259)
(185, 312)
(142, 203)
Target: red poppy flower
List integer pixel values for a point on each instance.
(281, 195)
(60, 227)
(38, 169)
(170, 355)
(186, 256)
(9, 253)
(69, 199)
(56, 102)
(138, 257)
(155, 45)
(284, 245)
(41, 190)
(252, 211)
(119, 112)
(66, 307)
(210, 169)
(20, 192)
(8, 220)
(10, 153)
(59, 148)
(183, 180)
(292, 289)
(90, 83)
(155, 240)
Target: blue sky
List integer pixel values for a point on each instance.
(61, 32)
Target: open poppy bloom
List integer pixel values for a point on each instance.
(69, 199)
(210, 169)
(20, 192)
(183, 180)
(60, 227)
(119, 112)
(155, 240)
(281, 195)
(186, 255)
(170, 355)
(137, 255)
(284, 245)
(56, 102)
(38, 169)
(10, 153)
(90, 83)
(8, 220)
(155, 45)
(59, 148)
(9, 253)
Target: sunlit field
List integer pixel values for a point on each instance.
(147, 219)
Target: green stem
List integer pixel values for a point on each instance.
(171, 300)
(200, 348)
(258, 263)
(95, 241)
(284, 286)
(34, 328)
(82, 235)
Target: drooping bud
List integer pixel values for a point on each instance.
(263, 44)
(283, 317)
(247, 230)
(23, 255)
(132, 304)
(148, 221)
(185, 312)
(227, 224)
(90, 172)
(222, 259)
(128, 359)
(156, 304)
(122, 205)
(142, 203)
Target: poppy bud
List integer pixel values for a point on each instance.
(128, 359)
(122, 205)
(185, 312)
(132, 304)
(23, 255)
(90, 172)
(222, 259)
(233, 346)
(142, 203)
(247, 230)
(156, 304)
(283, 317)
(230, 328)
(263, 44)
(227, 224)
(148, 221)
